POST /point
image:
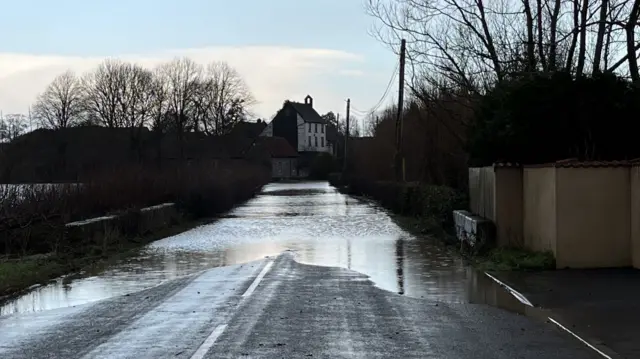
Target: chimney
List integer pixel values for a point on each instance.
(308, 100)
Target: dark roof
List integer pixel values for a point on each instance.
(307, 112)
(248, 129)
(278, 147)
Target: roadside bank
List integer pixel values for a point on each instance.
(427, 210)
(48, 233)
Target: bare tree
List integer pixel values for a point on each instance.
(135, 98)
(103, 91)
(61, 104)
(158, 101)
(228, 98)
(12, 126)
(182, 77)
(472, 44)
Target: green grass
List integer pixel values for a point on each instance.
(513, 259)
(19, 274)
(499, 259)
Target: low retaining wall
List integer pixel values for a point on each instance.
(474, 232)
(112, 228)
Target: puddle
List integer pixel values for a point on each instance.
(314, 221)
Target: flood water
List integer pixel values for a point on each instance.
(319, 225)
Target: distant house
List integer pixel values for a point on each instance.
(248, 129)
(281, 156)
(301, 126)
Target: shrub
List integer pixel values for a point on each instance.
(32, 218)
(321, 166)
(435, 203)
(545, 118)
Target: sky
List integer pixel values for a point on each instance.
(284, 49)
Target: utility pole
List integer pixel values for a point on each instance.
(399, 158)
(346, 139)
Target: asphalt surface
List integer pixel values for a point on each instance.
(279, 308)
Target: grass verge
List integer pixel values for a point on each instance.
(514, 259)
(17, 275)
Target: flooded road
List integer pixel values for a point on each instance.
(319, 225)
(299, 271)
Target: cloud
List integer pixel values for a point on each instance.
(273, 73)
(352, 73)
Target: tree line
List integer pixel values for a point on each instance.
(495, 80)
(473, 44)
(180, 95)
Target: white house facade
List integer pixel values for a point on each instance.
(312, 136)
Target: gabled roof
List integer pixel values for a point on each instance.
(307, 112)
(277, 147)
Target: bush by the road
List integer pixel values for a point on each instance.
(32, 221)
(427, 202)
(545, 118)
(321, 166)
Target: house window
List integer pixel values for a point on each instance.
(322, 141)
(309, 143)
(316, 141)
(322, 128)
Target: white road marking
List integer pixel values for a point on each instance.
(526, 301)
(513, 292)
(580, 339)
(256, 281)
(208, 343)
(211, 340)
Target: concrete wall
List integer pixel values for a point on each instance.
(283, 167)
(539, 209)
(496, 193)
(593, 217)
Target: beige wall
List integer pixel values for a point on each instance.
(496, 194)
(593, 217)
(635, 215)
(508, 206)
(588, 217)
(539, 209)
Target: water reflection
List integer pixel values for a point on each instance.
(318, 224)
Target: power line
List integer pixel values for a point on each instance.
(384, 96)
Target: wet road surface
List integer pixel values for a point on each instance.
(340, 280)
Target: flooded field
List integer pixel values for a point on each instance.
(312, 220)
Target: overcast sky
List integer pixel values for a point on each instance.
(285, 49)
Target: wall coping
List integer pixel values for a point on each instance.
(575, 163)
(567, 163)
(85, 222)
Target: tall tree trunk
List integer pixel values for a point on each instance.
(489, 38)
(543, 60)
(583, 37)
(602, 26)
(574, 38)
(531, 45)
(631, 42)
(553, 29)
